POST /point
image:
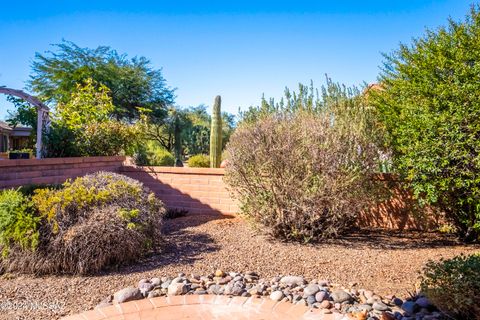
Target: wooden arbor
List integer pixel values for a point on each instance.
(42, 114)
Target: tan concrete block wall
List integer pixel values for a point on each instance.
(15, 173)
(198, 190)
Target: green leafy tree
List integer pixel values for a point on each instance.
(429, 103)
(86, 105)
(134, 84)
(83, 125)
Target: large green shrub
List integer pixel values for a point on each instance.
(82, 126)
(453, 286)
(151, 154)
(429, 102)
(93, 222)
(18, 224)
(305, 172)
(199, 161)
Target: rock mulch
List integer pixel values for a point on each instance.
(386, 263)
(354, 303)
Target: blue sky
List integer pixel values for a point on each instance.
(238, 49)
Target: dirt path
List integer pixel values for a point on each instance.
(384, 263)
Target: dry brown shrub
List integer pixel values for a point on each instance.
(303, 176)
(84, 236)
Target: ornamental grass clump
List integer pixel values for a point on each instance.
(453, 286)
(95, 221)
(305, 169)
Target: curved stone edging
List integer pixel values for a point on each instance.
(205, 307)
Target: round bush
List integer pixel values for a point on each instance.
(96, 221)
(453, 286)
(199, 161)
(300, 176)
(152, 155)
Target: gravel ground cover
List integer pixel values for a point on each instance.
(384, 262)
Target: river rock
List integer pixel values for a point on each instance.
(311, 290)
(178, 288)
(156, 281)
(340, 296)
(127, 294)
(380, 306)
(276, 295)
(321, 295)
(410, 307)
(293, 280)
(423, 302)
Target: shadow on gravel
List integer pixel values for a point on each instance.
(397, 240)
(180, 245)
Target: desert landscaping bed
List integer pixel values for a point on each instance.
(382, 262)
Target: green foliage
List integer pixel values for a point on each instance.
(18, 224)
(107, 138)
(82, 126)
(90, 223)
(133, 83)
(429, 103)
(453, 286)
(89, 103)
(191, 126)
(199, 161)
(24, 114)
(216, 134)
(304, 170)
(151, 154)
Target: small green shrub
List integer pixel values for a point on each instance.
(90, 223)
(199, 161)
(453, 286)
(18, 224)
(151, 154)
(109, 138)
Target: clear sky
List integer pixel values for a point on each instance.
(238, 49)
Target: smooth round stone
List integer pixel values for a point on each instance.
(321, 295)
(219, 273)
(127, 294)
(325, 304)
(156, 281)
(154, 294)
(292, 280)
(176, 289)
(311, 300)
(366, 307)
(340, 296)
(423, 302)
(398, 302)
(143, 281)
(237, 278)
(410, 307)
(380, 306)
(311, 289)
(145, 287)
(276, 295)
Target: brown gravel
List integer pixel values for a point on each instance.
(379, 261)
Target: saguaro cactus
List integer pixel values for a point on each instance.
(216, 134)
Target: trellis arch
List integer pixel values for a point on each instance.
(42, 114)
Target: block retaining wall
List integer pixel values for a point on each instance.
(201, 190)
(198, 190)
(15, 173)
